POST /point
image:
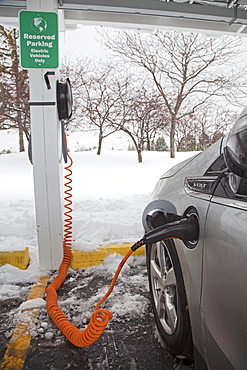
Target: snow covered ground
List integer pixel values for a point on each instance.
(109, 194)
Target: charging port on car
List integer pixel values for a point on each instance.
(191, 211)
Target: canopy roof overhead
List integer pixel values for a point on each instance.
(211, 16)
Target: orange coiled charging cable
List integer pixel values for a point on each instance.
(100, 317)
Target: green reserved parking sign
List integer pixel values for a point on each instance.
(38, 39)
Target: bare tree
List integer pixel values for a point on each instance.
(185, 133)
(185, 67)
(97, 90)
(212, 122)
(149, 112)
(101, 96)
(14, 91)
(143, 115)
(204, 127)
(108, 99)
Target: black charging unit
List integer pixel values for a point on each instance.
(64, 109)
(64, 100)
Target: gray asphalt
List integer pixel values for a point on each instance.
(127, 344)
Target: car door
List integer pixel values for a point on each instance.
(224, 298)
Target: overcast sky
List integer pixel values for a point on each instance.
(80, 42)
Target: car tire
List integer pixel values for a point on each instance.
(168, 298)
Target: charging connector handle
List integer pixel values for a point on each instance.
(186, 228)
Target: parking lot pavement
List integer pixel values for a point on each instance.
(130, 341)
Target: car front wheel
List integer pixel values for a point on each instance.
(169, 298)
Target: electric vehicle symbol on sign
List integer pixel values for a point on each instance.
(198, 287)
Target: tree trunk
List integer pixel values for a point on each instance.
(148, 144)
(21, 141)
(139, 156)
(99, 145)
(172, 137)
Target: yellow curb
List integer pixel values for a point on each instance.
(17, 258)
(17, 349)
(81, 259)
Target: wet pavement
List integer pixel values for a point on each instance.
(130, 342)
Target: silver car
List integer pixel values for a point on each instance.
(198, 287)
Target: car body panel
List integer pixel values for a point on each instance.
(224, 302)
(221, 219)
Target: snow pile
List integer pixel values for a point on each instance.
(9, 291)
(12, 275)
(32, 304)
